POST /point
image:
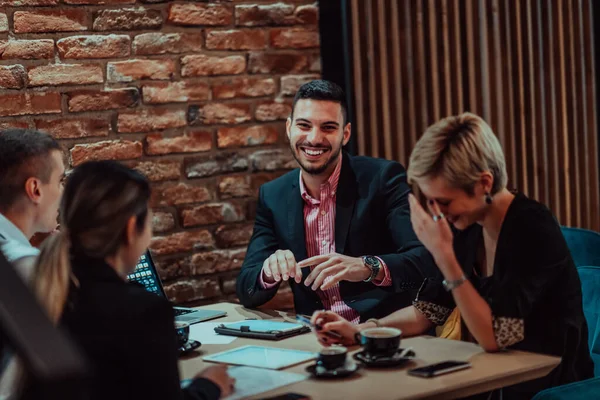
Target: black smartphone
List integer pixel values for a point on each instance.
(289, 396)
(306, 322)
(444, 367)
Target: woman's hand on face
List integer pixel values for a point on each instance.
(436, 236)
(327, 322)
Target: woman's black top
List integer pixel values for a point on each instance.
(534, 293)
(128, 336)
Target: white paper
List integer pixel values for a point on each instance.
(250, 381)
(204, 332)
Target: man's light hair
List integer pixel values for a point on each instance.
(458, 149)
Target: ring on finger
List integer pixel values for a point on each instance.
(436, 218)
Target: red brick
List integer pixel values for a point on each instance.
(222, 163)
(96, 46)
(99, 2)
(272, 111)
(162, 221)
(276, 63)
(14, 123)
(201, 65)
(12, 77)
(234, 186)
(50, 21)
(271, 160)
(181, 242)
(166, 43)
(290, 84)
(247, 136)
(146, 120)
(219, 113)
(192, 289)
(133, 70)
(247, 87)
(200, 14)
(294, 38)
(236, 39)
(29, 103)
(259, 179)
(26, 49)
(106, 150)
(70, 128)
(156, 171)
(98, 100)
(190, 143)
(307, 14)
(179, 193)
(3, 23)
(175, 92)
(27, 3)
(264, 14)
(208, 214)
(216, 261)
(233, 235)
(127, 19)
(65, 74)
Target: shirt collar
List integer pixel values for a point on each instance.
(10, 231)
(332, 183)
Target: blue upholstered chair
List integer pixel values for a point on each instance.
(585, 249)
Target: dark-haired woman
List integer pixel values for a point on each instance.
(126, 332)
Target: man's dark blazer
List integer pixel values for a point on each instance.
(128, 336)
(372, 218)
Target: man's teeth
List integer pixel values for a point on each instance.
(314, 152)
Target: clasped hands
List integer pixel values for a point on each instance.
(282, 265)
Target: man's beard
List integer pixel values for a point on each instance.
(318, 169)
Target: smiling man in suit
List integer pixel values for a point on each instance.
(338, 228)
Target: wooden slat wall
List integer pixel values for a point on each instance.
(525, 66)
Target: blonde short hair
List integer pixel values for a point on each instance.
(459, 149)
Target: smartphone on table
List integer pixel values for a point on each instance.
(444, 367)
(306, 321)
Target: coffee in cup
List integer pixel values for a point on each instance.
(380, 341)
(183, 332)
(332, 357)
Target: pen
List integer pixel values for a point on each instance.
(306, 321)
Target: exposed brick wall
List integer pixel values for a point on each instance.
(192, 93)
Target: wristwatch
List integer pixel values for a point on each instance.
(373, 264)
(449, 285)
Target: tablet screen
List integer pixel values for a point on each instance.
(262, 357)
(264, 326)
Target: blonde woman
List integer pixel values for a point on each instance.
(508, 276)
(127, 333)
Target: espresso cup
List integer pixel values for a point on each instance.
(380, 341)
(183, 332)
(332, 357)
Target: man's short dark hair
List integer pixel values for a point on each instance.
(24, 153)
(322, 90)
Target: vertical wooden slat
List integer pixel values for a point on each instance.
(526, 66)
(421, 68)
(383, 76)
(446, 110)
(433, 60)
(397, 46)
(373, 100)
(572, 113)
(591, 120)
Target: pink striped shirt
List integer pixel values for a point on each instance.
(319, 228)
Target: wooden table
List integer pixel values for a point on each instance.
(489, 371)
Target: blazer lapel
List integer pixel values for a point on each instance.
(295, 209)
(345, 201)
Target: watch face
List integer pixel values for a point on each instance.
(373, 261)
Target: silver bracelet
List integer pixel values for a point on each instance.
(450, 285)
